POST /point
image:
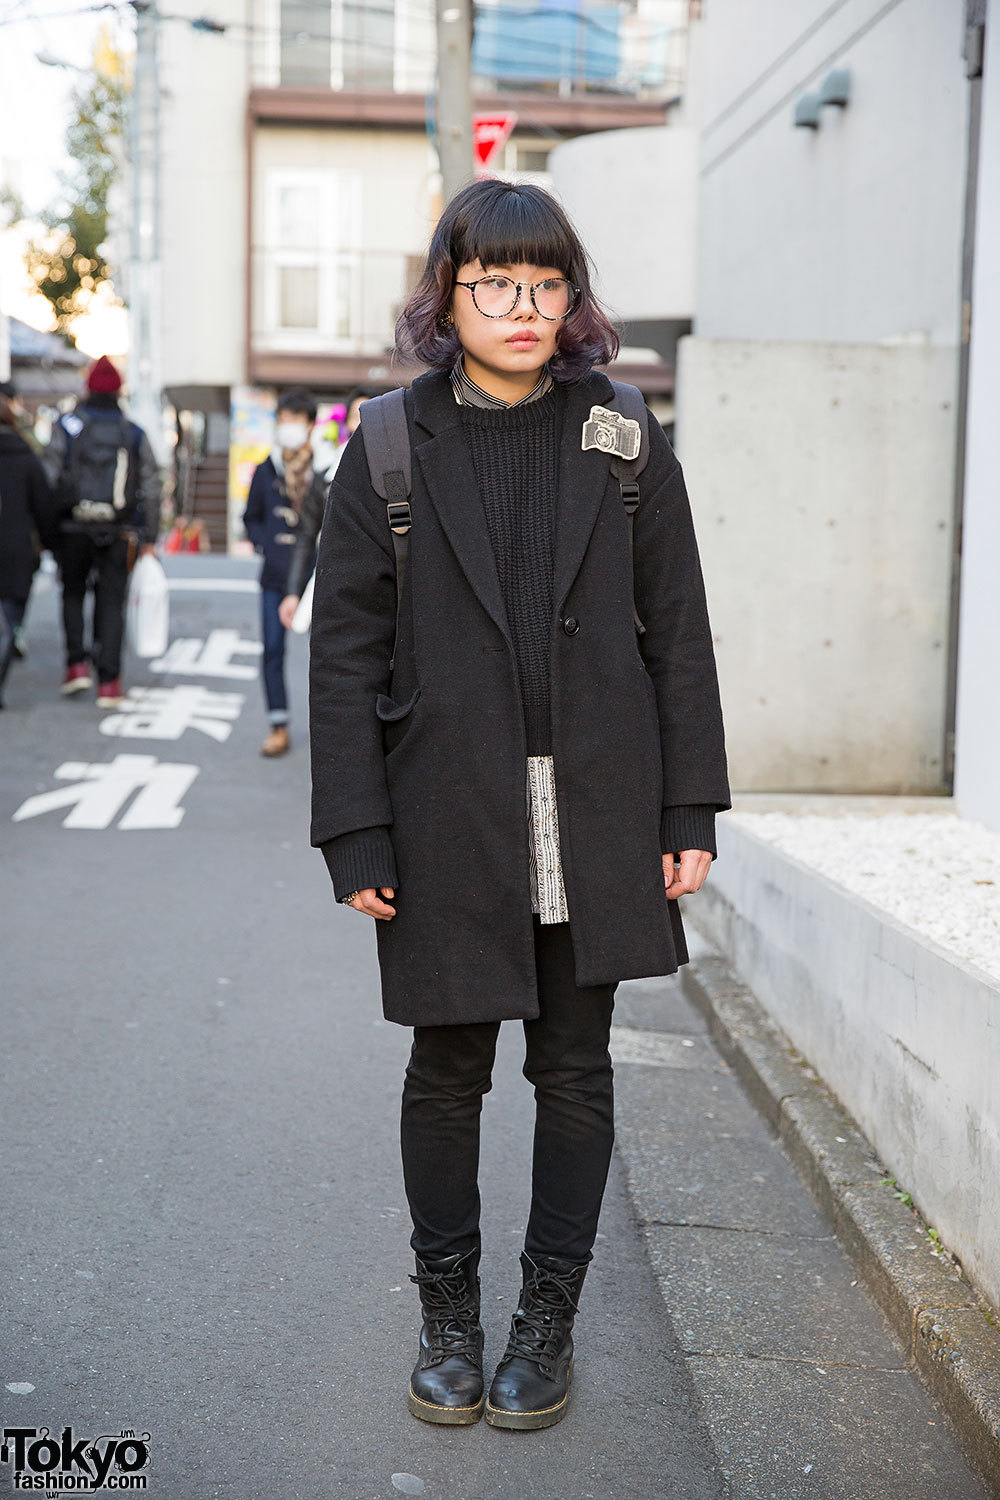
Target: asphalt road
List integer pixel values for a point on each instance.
(203, 1232)
(204, 1237)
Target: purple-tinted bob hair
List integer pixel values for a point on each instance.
(505, 224)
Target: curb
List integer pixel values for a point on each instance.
(947, 1332)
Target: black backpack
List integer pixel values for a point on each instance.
(386, 438)
(99, 481)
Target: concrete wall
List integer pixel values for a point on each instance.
(204, 81)
(905, 1036)
(820, 477)
(977, 736)
(632, 195)
(852, 232)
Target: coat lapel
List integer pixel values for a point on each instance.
(583, 477)
(445, 460)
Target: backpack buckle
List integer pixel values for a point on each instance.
(400, 519)
(630, 495)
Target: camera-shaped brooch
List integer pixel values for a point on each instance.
(610, 432)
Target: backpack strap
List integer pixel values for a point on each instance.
(628, 400)
(386, 437)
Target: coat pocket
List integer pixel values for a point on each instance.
(389, 711)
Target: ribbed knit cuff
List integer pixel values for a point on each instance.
(688, 828)
(360, 861)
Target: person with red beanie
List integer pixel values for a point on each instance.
(103, 378)
(107, 484)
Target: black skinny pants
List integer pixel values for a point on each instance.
(80, 559)
(567, 1060)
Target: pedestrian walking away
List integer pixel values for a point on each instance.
(517, 759)
(107, 485)
(282, 489)
(27, 519)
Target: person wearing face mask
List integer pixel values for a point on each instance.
(283, 486)
(304, 553)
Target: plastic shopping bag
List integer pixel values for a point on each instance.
(147, 612)
(302, 618)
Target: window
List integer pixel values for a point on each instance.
(298, 198)
(368, 44)
(529, 159)
(298, 296)
(340, 43)
(305, 44)
(310, 258)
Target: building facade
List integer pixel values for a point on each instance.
(300, 178)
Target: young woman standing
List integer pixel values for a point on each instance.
(520, 799)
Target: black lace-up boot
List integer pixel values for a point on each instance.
(447, 1380)
(531, 1385)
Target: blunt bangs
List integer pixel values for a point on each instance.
(505, 224)
(515, 228)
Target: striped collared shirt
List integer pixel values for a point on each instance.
(547, 886)
(468, 393)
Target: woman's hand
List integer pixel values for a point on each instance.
(694, 866)
(368, 902)
(287, 608)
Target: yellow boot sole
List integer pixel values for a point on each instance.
(449, 1416)
(528, 1421)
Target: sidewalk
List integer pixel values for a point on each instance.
(806, 1392)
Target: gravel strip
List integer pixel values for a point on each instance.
(936, 872)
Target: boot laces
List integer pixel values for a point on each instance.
(539, 1327)
(450, 1314)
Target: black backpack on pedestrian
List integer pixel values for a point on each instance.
(386, 438)
(99, 481)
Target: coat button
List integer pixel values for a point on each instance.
(571, 625)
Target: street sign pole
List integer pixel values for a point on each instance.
(454, 95)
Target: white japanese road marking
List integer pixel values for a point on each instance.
(101, 791)
(192, 657)
(214, 585)
(165, 713)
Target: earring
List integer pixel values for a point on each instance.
(446, 320)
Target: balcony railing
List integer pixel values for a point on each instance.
(566, 47)
(311, 302)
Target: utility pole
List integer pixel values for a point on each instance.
(144, 280)
(454, 94)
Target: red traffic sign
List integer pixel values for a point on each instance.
(490, 133)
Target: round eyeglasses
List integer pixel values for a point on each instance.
(498, 296)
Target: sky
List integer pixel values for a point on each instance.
(34, 105)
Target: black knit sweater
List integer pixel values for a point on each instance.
(515, 451)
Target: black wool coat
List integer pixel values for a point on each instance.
(27, 511)
(436, 749)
